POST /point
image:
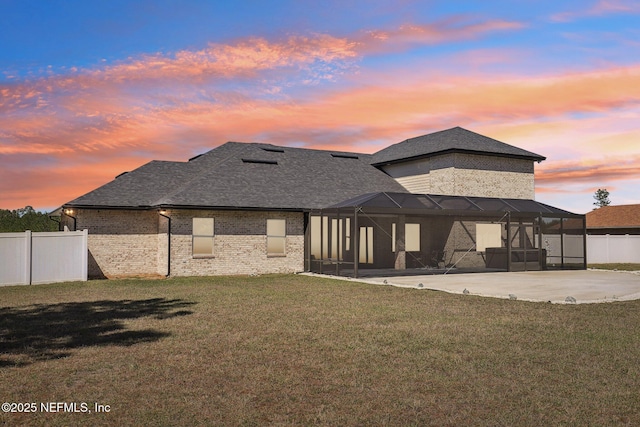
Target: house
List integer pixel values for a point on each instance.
(613, 234)
(622, 219)
(243, 208)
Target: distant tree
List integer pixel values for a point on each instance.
(25, 218)
(602, 198)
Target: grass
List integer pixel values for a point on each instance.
(297, 350)
(616, 266)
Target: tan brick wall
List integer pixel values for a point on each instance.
(240, 244)
(120, 242)
(481, 183)
(461, 238)
(123, 243)
(467, 175)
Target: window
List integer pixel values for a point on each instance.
(316, 237)
(488, 236)
(366, 245)
(203, 236)
(276, 236)
(411, 237)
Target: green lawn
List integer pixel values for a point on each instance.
(617, 266)
(296, 350)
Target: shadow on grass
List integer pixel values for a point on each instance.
(50, 331)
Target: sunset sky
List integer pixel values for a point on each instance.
(90, 89)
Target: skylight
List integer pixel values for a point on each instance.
(260, 161)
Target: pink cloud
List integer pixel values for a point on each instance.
(590, 170)
(601, 7)
(87, 126)
(448, 30)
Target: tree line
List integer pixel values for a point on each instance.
(26, 218)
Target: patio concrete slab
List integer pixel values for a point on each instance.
(586, 286)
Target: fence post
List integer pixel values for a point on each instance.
(27, 257)
(85, 254)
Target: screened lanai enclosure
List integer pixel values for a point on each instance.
(400, 233)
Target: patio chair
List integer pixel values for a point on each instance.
(438, 259)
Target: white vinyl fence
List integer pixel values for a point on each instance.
(610, 248)
(33, 258)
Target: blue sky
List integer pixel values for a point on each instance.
(91, 89)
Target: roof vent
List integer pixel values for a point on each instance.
(195, 157)
(344, 155)
(264, 162)
(273, 150)
(123, 173)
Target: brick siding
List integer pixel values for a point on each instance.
(467, 175)
(131, 243)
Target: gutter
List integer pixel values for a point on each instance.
(391, 161)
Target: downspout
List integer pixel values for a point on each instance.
(168, 241)
(307, 240)
(68, 213)
(51, 218)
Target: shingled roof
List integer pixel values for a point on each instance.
(456, 139)
(622, 216)
(247, 176)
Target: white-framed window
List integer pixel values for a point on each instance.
(203, 234)
(276, 237)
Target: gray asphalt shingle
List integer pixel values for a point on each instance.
(451, 140)
(291, 178)
(265, 176)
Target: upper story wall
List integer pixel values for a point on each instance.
(462, 174)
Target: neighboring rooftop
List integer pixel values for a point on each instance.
(451, 140)
(622, 216)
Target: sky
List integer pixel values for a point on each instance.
(91, 89)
